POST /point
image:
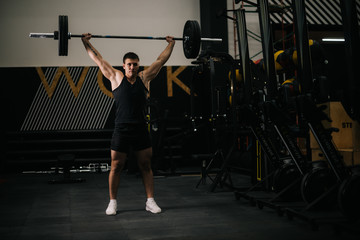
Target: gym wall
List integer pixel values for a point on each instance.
(252, 24)
(137, 17)
(43, 92)
(48, 85)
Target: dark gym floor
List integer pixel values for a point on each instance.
(33, 209)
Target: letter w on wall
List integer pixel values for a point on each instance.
(62, 70)
(68, 98)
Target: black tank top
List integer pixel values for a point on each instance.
(130, 101)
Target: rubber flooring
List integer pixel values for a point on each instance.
(31, 208)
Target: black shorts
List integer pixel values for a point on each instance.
(128, 136)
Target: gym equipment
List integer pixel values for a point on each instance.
(286, 176)
(191, 37)
(317, 181)
(349, 190)
(350, 99)
(66, 161)
(346, 180)
(348, 195)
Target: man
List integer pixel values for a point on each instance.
(130, 132)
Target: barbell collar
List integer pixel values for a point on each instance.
(41, 35)
(211, 39)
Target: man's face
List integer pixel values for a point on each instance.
(131, 67)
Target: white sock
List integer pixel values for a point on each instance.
(150, 199)
(113, 200)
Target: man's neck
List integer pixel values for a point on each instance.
(132, 78)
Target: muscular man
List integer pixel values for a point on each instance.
(130, 132)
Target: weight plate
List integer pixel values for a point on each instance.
(63, 35)
(349, 197)
(192, 39)
(60, 29)
(66, 35)
(285, 175)
(316, 183)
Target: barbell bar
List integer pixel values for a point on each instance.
(52, 35)
(191, 37)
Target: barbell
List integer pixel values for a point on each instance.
(191, 37)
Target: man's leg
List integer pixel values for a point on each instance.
(117, 164)
(144, 163)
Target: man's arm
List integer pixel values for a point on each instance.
(107, 70)
(152, 71)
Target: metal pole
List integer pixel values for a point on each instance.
(304, 69)
(268, 50)
(244, 53)
(352, 51)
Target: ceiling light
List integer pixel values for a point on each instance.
(333, 40)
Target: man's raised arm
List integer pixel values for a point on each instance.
(107, 70)
(151, 72)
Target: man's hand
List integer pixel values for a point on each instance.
(170, 39)
(89, 48)
(86, 36)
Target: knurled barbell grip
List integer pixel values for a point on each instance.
(145, 37)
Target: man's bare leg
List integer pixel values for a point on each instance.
(144, 163)
(117, 164)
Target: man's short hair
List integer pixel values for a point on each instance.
(130, 55)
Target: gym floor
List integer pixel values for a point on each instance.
(31, 208)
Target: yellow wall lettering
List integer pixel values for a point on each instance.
(75, 88)
(50, 89)
(102, 86)
(172, 77)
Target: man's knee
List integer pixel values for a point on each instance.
(144, 161)
(144, 166)
(117, 166)
(117, 161)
